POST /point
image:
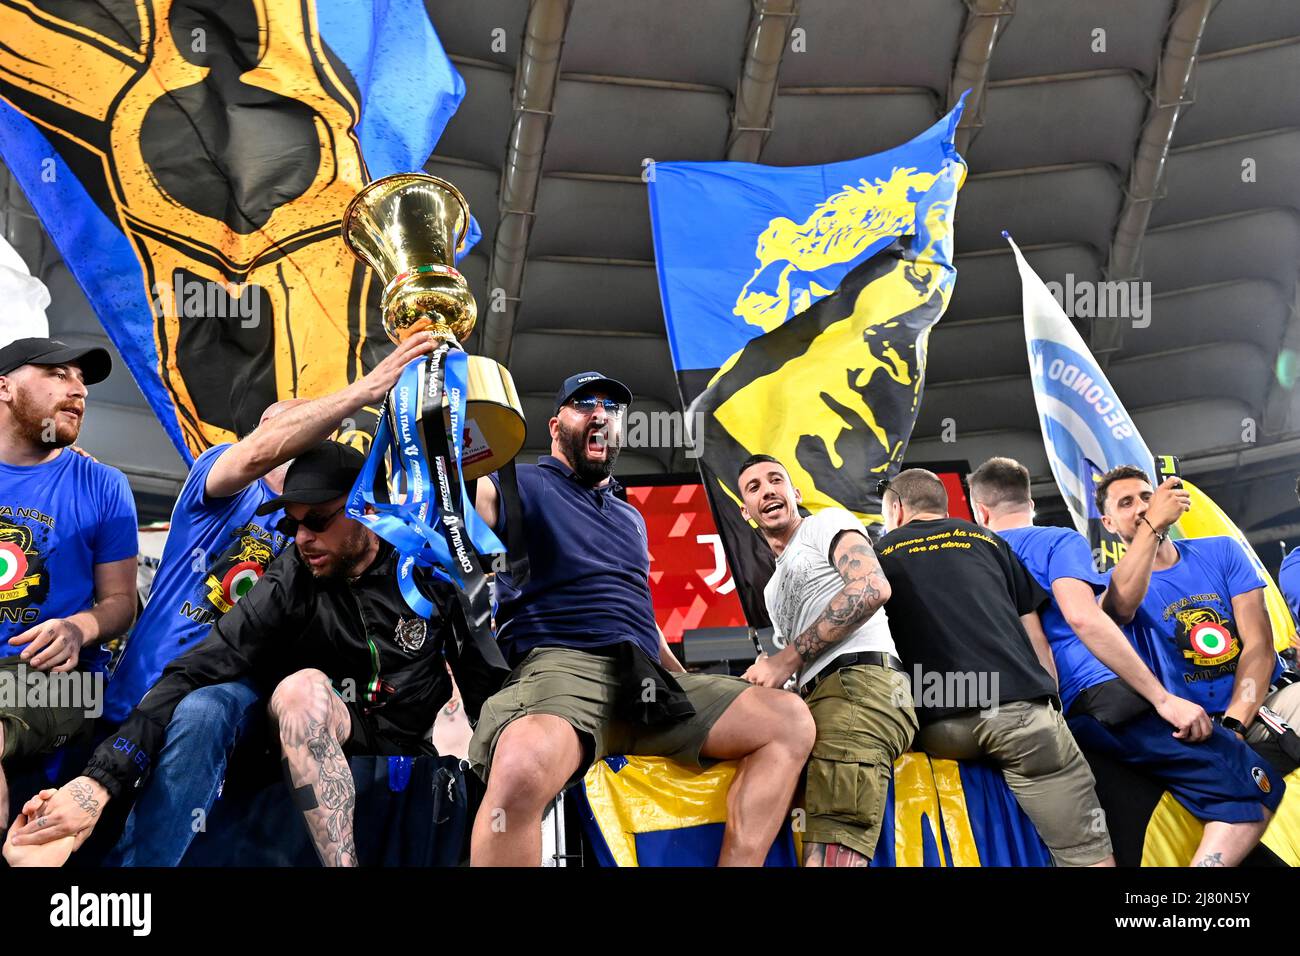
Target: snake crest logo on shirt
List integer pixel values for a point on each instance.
(237, 571)
(21, 577)
(1206, 637)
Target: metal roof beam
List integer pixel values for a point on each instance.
(751, 117)
(536, 76)
(985, 20)
(1168, 96)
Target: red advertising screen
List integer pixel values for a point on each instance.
(689, 578)
(690, 582)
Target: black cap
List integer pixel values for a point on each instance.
(95, 363)
(322, 474)
(592, 381)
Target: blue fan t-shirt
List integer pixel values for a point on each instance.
(1050, 554)
(1185, 627)
(1288, 579)
(216, 550)
(57, 521)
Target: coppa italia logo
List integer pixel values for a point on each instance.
(1206, 637)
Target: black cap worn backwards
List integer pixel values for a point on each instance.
(326, 472)
(591, 381)
(95, 363)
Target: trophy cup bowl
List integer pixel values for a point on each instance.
(407, 228)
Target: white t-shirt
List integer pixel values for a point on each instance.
(805, 581)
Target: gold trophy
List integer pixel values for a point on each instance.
(407, 228)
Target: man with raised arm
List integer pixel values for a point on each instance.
(1113, 703)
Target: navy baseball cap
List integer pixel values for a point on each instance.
(95, 363)
(322, 474)
(592, 381)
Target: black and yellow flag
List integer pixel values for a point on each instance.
(799, 303)
(191, 160)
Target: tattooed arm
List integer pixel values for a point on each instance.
(865, 591)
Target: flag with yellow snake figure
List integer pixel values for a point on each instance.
(191, 160)
(799, 303)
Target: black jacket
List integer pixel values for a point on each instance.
(361, 634)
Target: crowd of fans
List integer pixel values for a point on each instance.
(277, 616)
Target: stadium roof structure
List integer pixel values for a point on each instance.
(1157, 141)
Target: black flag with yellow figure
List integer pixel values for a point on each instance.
(191, 160)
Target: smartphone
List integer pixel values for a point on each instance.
(1166, 468)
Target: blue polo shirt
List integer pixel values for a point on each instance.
(589, 583)
(1050, 554)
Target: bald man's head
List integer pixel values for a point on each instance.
(276, 408)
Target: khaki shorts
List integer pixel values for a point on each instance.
(581, 688)
(1042, 765)
(34, 729)
(865, 721)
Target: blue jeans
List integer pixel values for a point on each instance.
(187, 775)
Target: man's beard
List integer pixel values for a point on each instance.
(40, 426)
(573, 442)
(342, 563)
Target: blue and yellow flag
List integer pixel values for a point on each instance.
(799, 303)
(649, 811)
(191, 160)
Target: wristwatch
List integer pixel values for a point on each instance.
(1233, 724)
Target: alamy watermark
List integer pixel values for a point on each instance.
(953, 690)
(23, 687)
(190, 298)
(1118, 299)
(663, 429)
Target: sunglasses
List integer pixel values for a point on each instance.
(313, 522)
(881, 487)
(587, 406)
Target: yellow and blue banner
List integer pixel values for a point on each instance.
(798, 304)
(649, 811)
(191, 161)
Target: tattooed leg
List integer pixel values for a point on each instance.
(1227, 844)
(832, 854)
(313, 725)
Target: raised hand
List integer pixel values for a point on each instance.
(1168, 503)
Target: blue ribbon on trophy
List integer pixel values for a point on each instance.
(451, 418)
(406, 525)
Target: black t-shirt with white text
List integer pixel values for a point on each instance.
(958, 591)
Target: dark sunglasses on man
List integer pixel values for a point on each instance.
(312, 521)
(587, 405)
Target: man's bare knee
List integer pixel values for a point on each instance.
(534, 758)
(797, 728)
(302, 699)
(787, 721)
